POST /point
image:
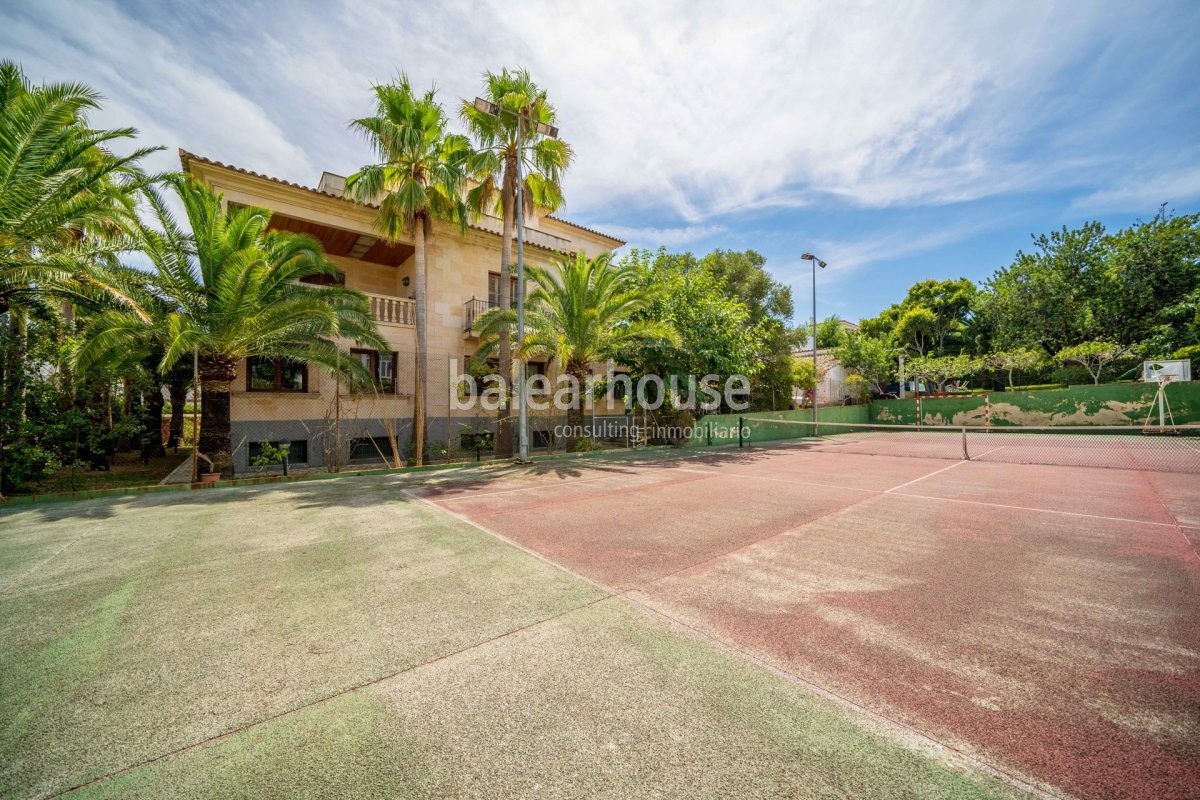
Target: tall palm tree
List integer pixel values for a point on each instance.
(60, 186)
(231, 289)
(582, 312)
(419, 177)
(58, 181)
(500, 142)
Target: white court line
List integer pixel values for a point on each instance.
(923, 477)
(932, 497)
(994, 449)
(1038, 510)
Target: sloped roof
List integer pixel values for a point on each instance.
(826, 360)
(185, 158)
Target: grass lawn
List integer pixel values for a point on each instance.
(337, 639)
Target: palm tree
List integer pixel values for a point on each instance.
(59, 187)
(500, 142)
(419, 177)
(582, 312)
(231, 289)
(58, 182)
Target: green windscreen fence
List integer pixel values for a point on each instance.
(1169, 448)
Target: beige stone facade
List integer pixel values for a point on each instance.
(458, 266)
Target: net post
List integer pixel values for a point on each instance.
(966, 453)
(740, 421)
(709, 431)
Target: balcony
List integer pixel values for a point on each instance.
(532, 235)
(473, 309)
(392, 310)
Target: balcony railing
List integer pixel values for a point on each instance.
(532, 235)
(473, 309)
(393, 310)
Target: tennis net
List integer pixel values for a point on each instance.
(1167, 449)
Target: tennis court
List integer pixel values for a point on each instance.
(1041, 617)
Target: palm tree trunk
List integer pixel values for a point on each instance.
(216, 374)
(422, 354)
(152, 445)
(12, 389)
(178, 387)
(575, 417)
(508, 200)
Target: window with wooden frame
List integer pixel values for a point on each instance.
(321, 279)
(494, 289)
(380, 366)
(276, 375)
(535, 368)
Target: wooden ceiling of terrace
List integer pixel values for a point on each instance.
(339, 242)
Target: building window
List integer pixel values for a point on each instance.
(534, 368)
(321, 279)
(494, 289)
(276, 375)
(380, 366)
(371, 448)
(297, 450)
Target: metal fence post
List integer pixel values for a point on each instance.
(740, 431)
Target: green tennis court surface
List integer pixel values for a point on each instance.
(338, 639)
(795, 621)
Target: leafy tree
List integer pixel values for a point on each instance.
(420, 176)
(1021, 359)
(234, 289)
(1045, 298)
(582, 312)
(869, 357)
(769, 304)
(1093, 356)
(831, 333)
(932, 318)
(745, 277)
(803, 375)
(1148, 298)
(716, 333)
(501, 142)
(940, 370)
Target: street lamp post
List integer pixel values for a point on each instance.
(550, 131)
(815, 263)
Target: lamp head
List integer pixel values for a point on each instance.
(486, 106)
(814, 259)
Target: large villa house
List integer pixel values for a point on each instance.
(273, 401)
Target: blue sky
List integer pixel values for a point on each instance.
(898, 141)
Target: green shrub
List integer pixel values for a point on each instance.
(1192, 353)
(434, 450)
(585, 445)
(1036, 387)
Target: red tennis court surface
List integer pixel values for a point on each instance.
(1043, 618)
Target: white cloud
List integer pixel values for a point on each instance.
(653, 237)
(678, 110)
(1145, 192)
(152, 83)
